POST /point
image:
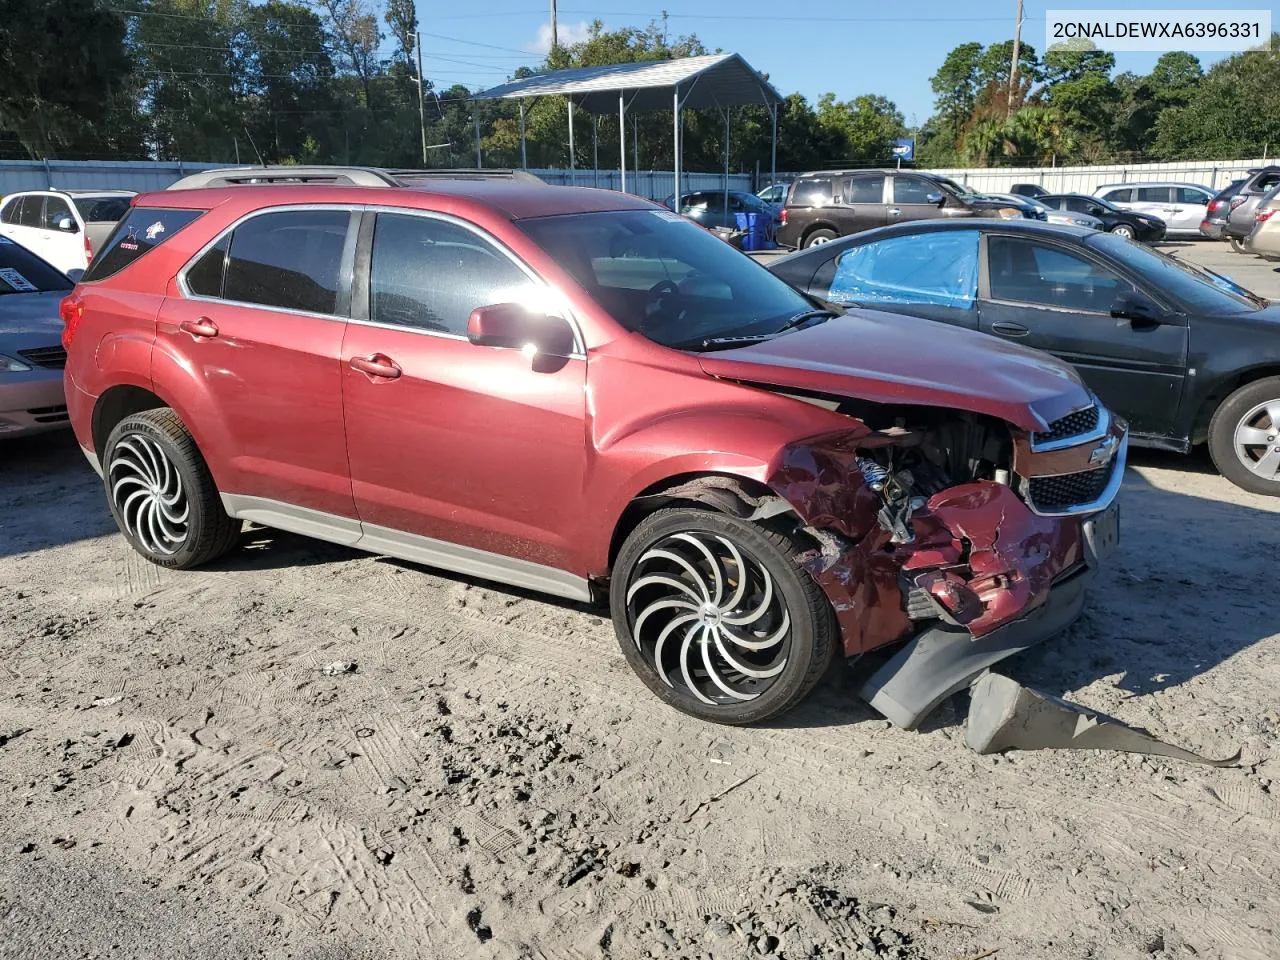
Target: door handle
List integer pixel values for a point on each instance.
(378, 366)
(202, 328)
(1009, 329)
(895, 211)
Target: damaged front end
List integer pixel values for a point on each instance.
(965, 536)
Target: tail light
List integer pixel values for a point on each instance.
(782, 216)
(1236, 201)
(72, 312)
(1262, 216)
(88, 250)
(1213, 206)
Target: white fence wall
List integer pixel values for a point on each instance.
(142, 175)
(1210, 173)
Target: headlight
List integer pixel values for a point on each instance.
(1080, 223)
(10, 365)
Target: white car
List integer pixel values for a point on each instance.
(64, 227)
(1180, 205)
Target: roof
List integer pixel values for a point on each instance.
(716, 80)
(1154, 183)
(337, 174)
(74, 193)
(511, 200)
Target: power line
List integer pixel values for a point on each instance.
(774, 17)
(476, 43)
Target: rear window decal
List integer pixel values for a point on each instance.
(16, 280)
(154, 230)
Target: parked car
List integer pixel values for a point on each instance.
(1123, 223)
(1245, 203)
(1186, 356)
(1180, 205)
(569, 391)
(64, 227)
(707, 208)
(1029, 190)
(775, 194)
(1214, 224)
(823, 206)
(1264, 239)
(1053, 214)
(31, 353)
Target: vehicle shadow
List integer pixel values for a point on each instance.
(41, 471)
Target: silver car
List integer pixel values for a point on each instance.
(31, 352)
(1069, 218)
(1180, 205)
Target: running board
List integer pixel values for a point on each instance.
(453, 557)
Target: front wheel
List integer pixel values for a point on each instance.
(1244, 437)
(1123, 230)
(161, 494)
(717, 618)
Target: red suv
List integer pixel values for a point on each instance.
(578, 392)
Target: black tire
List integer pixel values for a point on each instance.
(815, 237)
(806, 624)
(168, 510)
(1124, 230)
(1245, 410)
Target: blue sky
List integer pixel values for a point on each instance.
(849, 47)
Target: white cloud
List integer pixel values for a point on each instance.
(569, 33)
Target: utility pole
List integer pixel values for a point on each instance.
(1013, 66)
(422, 110)
(555, 37)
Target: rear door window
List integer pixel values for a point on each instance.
(811, 193)
(291, 259)
(135, 236)
(55, 209)
(867, 189)
(1154, 194)
(938, 268)
(101, 209)
(30, 212)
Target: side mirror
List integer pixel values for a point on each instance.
(66, 225)
(1136, 309)
(511, 325)
(1096, 211)
(937, 199)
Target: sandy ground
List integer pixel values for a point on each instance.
(190, 766)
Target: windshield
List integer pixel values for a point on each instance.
(665, 278)
(21, 271)
(1197, 287)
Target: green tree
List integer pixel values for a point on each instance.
(957, 84)
(63, 63)
(867, 124)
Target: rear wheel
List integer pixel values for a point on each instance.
(1123, 230)
(716, 617)
(1237, 245)
(1244, 437)
(819, 236)
(161, 494)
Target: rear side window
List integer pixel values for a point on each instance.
(864, 190)
(811, 193)
(136, 235)
(11, 209)
(204, 277)
(1153, 194)
(21, 271)
(291, 259)
(101, 209)
(938, 268)
(30, 211)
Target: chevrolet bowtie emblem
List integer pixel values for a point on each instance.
(1103, 452)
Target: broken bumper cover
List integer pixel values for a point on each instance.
(943, 660)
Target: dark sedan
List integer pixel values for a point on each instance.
(1185, 355)
(1124, 223)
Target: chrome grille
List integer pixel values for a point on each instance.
(1072, 425)
(54, 358)
(1052, 494)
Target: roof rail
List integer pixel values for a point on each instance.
(340, 175)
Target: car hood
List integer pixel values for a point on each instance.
(30, 320)
(891, 358)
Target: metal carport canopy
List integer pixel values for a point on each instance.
(716, 81)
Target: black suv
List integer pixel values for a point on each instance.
(837, 203)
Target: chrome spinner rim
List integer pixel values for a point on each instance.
(1257, 440)
(147, 491)
(709, 618)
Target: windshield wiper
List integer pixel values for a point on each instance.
(804, 317)
(709, 343)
